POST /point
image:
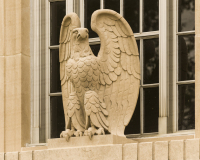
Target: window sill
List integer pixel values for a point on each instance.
(32, 147)
(180, 135)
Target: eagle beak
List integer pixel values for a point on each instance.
(82, 34)
(78, 36)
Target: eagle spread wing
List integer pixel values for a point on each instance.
(120, 68)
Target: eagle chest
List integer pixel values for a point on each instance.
(84, 72)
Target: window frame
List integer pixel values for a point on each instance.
(168, 112)
(138, 36)
(181, 33)
(39, 11)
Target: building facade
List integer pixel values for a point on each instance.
(167, 114)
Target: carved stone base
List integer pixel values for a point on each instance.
(85, 141)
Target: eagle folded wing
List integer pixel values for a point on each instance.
(96, 110)
(75, 113)
(70, 22)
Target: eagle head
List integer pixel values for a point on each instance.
(80, 34)
(80, 43)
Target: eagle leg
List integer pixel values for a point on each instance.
(96, 115)
(91, 131)
(68, 132)
(76, 124)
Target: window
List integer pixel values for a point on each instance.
(47, 111)
(186, 65)
(164, 32)
(57, 120)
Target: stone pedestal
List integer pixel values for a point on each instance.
(85, 141)
(99, 147)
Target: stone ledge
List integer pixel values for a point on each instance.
(100, 152)
(85, 141)
(34, 148)
(173, 150)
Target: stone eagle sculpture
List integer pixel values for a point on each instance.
(99, 93)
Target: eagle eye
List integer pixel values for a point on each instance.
(75, 31)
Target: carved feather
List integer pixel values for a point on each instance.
(120, 68)
(69, 22)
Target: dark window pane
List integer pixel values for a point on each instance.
(186, 58)
(151, 61)
(186, 109)
(57, 13)
(112, 4)
(138, 45)
(57, 116)
(151, 109)
(95, 49)
(134, 125)
(131, 14)
(186, 16)
(151, 15)
(55, 83)
(90, 7)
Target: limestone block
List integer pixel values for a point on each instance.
(145, 151)
(25, 97)
(2, 103)
(25, 24)
(17, 102)
(10, 27)
(12, 103)
(17, 28)
(2, 156)
(33, 148)
(197, 68)
(85, 141)
(176, 150)
(130, 151)
(11, 156)
(103, 152)
(2, 28)
(197, 84)
(160, 150)
(26, 155)
(197, 17)
(192, 149)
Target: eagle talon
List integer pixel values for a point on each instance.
(67, 137)
(100, 131)
(90, 134)
(86, 133)
(67, 134)
(78, 133)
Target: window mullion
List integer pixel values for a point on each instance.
(82, 13)
(163, 70)
(36, 73)
(141, 16)
(122, 7)
(69, 6)
(102, 4)
(47, 66)
(141, 90)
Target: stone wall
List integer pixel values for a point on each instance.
(14, 74)
(160, 150)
